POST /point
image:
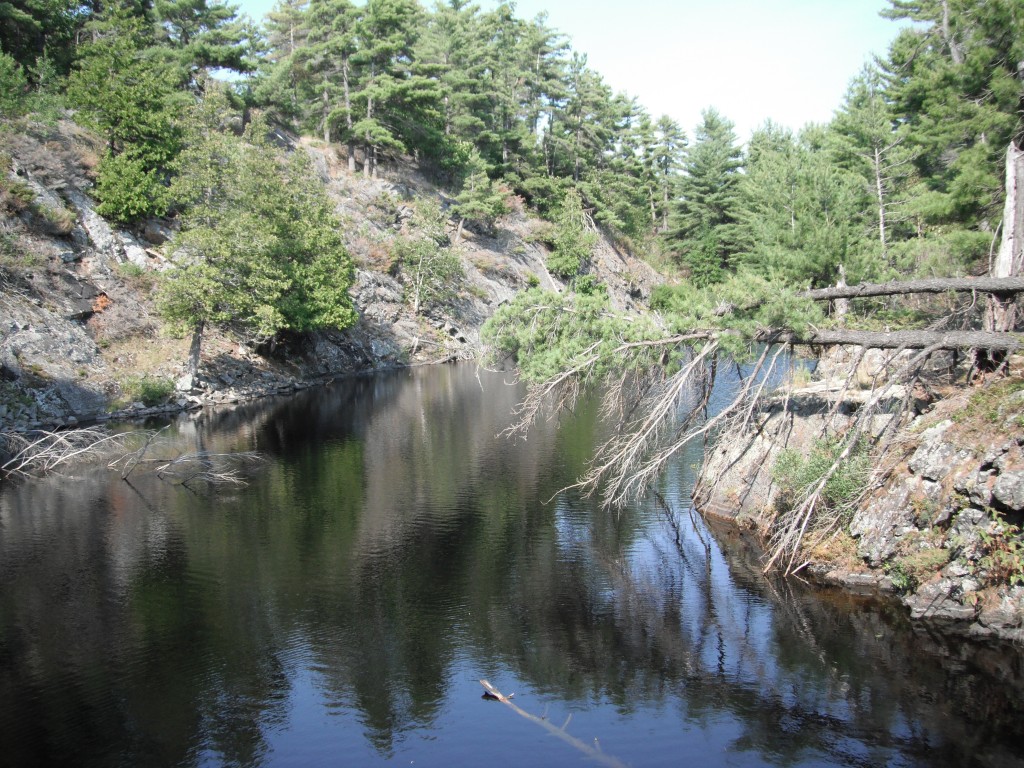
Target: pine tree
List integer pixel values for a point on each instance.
(667, 157)
(574, 240)
(196, 36)
(479, 200)
(396, 106)
(801, 214)
(702, 226)
(127, 95)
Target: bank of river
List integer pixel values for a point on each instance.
(390, 552)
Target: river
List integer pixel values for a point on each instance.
(389, 552)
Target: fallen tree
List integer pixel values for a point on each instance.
(1003, 286)
(657, 374)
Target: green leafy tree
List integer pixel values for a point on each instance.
(480, 200)
(325, 64)
(128, 96)
(867, 141)
(259, 245)
(666, 158)
(13, 87)
(451, 53)
(802, 216)
(397, 108)
(33, 30)
(953, 80)
(196, 36)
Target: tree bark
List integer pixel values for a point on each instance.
(1001, 314)
(1005, 342)
(194, 349)
(1004, 286)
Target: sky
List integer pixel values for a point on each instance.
(785, 60)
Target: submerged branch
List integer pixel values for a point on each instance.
(592, 752)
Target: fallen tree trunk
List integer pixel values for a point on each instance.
(1006, 342)
(1007, 286)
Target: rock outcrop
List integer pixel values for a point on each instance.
(939, 524)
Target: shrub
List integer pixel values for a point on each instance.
(796, 474)
(13, 87)
(148, 390)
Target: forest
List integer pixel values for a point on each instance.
(905, 180)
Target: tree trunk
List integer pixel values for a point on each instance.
(1004, 342)
(1004, 286)
(326, 112)
(1001, 314)
(348, 117)
(194, 350)
(880, 193)
(842, 305)
(955, 52)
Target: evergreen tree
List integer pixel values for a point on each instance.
(127, 94)
(259, 243)
(667, 155)
(195, 36)
(33, 30)
(479, 200)
(431, 270)
(397, 108)
(867, 142)
(325, 65)
(954, 81)
(574, 241)
(800, 217)
(702, 226)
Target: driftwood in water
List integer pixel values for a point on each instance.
(594, 752)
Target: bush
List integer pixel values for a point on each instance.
(129, 189)
(796, 474)
(148, 390)
(13, 87)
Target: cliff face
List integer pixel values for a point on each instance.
(940, 521)
(78, 330)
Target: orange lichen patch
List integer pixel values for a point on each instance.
(101, 302)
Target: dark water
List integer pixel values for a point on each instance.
(341, 608)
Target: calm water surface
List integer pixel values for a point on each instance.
(390, 552)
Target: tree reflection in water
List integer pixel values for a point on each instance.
(392, 552)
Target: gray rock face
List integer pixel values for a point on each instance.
(935, 458)
(934, 601)
(1008, 490)
(102, 237)
(58, 354)
(879, 526)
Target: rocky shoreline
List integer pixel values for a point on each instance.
(939, 526)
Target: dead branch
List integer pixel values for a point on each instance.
(593, 752)
(43, 451)
(787, 540)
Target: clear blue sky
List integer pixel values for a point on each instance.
(788, 60)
